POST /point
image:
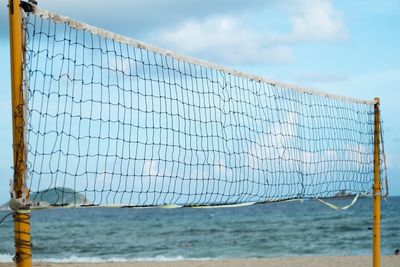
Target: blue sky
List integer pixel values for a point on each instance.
(343, 47)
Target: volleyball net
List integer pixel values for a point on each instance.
(112, 121)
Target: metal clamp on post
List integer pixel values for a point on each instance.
(28, 6)
(19, 205)
(377, 192)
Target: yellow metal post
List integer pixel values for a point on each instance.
(377, 188)
(23, 256)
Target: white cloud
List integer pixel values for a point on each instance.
(150, 168)
(273, 143)
(359, 153)
(319, 77)
(313, 20)
(223, 170)
(392, 161)
(105, 180)
(235, 39)
(225, 39)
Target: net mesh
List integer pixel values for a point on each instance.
(111, 123)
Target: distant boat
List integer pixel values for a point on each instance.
(343, 194)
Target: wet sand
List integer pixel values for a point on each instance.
(334, 261)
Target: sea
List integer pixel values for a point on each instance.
(307, 228)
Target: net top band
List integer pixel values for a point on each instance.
(45, 14)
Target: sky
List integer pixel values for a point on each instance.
(347, 48)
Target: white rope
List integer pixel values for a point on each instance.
(225, 206)
(335, 207)
(384, 162)
(138, 44)
(174, 206)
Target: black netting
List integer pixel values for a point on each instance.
(112, 123)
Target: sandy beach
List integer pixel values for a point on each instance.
(350, 261)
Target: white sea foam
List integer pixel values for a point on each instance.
(8, 258)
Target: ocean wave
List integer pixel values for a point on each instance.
(6, 257)
(73, 259)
